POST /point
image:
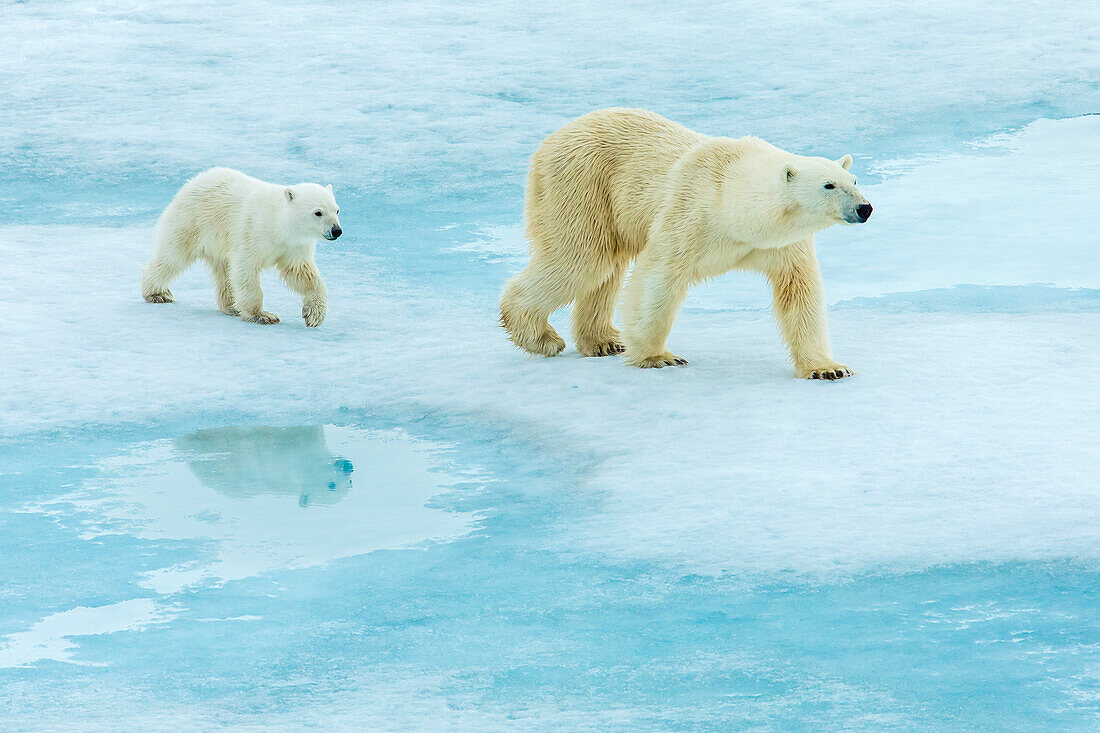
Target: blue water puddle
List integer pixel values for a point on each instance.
(460, 584)
(1035, 297)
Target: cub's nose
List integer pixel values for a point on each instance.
(337, 231)
(863, 211)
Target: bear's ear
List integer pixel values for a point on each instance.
(289, 195)
(845, 162)
(329, 187)
(789, 172)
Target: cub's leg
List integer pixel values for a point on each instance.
(650, 303)
(593, 316)
(174, 253)
(529, 299)
(223, 288)
(798, 298)
(303, 278)
(248, 296)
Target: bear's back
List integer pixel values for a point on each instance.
(614, 160)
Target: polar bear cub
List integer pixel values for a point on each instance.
(240, 226)
(620, 185)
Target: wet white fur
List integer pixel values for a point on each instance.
(620, 185)
(240, 226)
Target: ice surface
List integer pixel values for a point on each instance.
(547, 544)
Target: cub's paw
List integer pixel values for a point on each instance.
(229, 311)
(165, 297)
(658, 361)
(265, 318)
(601, 348)
(829, 372)
(314, 315)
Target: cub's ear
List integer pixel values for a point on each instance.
(789, 172)
(845, 162)
(289, 195)
(329, 187)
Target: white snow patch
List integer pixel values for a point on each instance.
(51, 638)
(214, 620)
(497, 244)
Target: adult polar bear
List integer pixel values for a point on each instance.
(241, 226)
(621, 184)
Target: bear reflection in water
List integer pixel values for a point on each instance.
(244, 462)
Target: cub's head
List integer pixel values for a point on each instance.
(825, 189)
(313, 210)
(332, 491)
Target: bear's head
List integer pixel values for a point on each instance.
(826, 190)
(313, 211)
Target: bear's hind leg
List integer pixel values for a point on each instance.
(223, 288)
(172, 256)
(529, 299)
(593, 316)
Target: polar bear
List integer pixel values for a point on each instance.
(240, 226)
(620, 184)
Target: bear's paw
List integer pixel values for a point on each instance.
(265, 318)
(313, 314)
(601, 348)
(830, 373)
(659, 361)
(545, 344)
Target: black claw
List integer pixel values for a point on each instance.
(814, 376)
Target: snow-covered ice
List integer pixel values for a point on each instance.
(398, 521)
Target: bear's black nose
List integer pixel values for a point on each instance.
(863, 211)
(337, 231)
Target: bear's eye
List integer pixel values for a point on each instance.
(317, 213)
(830, 186)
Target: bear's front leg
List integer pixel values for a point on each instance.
(248, 296)
(799, 301)
(303, 278)
(650, 303)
